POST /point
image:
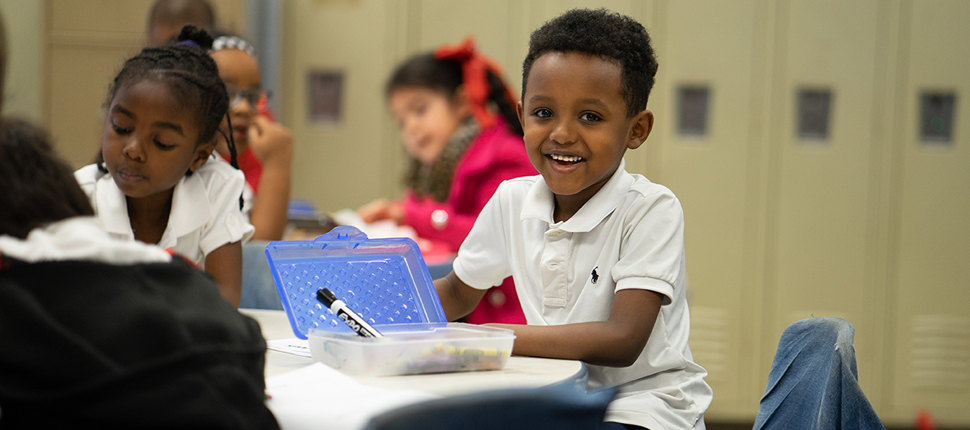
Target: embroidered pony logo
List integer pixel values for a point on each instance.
(594, 276)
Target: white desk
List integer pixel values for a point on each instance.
(519, 372)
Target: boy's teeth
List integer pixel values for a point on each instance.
(566, 158)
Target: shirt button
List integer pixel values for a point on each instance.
(439, 219)
(496, 298)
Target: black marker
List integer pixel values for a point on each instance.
(347, 315)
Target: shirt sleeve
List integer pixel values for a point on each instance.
(483, 259)
(227, 223)
(652, 248)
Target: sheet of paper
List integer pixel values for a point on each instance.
(293, 346)
(318, 396)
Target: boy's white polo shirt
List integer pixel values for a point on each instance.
(205, 209)
(628, 235)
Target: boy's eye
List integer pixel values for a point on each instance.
(542, 113)
(589, 117)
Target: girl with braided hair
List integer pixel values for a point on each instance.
(153, 182)
(458, 122)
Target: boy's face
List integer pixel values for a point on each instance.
(575, 123)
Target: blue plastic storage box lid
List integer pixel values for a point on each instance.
(384, 280)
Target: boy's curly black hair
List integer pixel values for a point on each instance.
(604, 34)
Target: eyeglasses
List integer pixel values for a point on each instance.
(251, 96)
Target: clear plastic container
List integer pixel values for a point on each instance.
(423, 348)
(387, 283)
(384, 280)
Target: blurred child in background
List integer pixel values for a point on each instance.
(264, 146)
(457, 119)
(167, 18)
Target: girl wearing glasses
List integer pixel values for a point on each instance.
(265, 147)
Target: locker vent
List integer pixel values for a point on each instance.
(936, 117)
(709, 339)
(941, 352)
(692, 110)
(814, 108)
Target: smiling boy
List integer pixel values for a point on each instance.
(597, 254)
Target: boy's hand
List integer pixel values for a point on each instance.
(382, 209)
(271, 141)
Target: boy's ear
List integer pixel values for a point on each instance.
(642, 125)
(202, 153)
(518, 112)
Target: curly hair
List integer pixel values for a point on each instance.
(192, 76)
(604, 34)
(38, 185)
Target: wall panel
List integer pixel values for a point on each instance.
(820, 188)
(931, 325)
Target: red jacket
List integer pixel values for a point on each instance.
(494, 156)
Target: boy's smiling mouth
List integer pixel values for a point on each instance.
(564, 163)
(567, 159)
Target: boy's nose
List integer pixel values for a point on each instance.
(562, 133)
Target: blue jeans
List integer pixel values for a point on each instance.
(813, 383)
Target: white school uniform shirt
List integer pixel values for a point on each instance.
(248, 194)
(628, 235)
(205, 209)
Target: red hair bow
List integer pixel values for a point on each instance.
(474, 77)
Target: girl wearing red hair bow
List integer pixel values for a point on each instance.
(458, 122)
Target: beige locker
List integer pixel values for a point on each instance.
(87, 44)
(346, 163)
(931, 321)
(710, 44)
(439, 22)
(819, 188)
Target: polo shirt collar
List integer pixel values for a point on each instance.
(190, 209)
(112, 207)
(540, 202)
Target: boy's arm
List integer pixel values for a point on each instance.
(616, 342)
(225, 265)
(457, 298)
